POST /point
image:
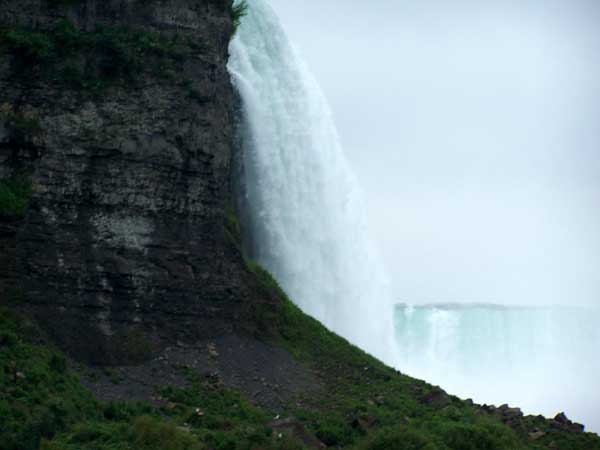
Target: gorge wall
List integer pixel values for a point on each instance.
(120, 116)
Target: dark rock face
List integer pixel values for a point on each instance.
(131, 186)
(562, 422)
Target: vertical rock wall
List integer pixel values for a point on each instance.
(123, 247)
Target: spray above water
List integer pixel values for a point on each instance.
(301, 201)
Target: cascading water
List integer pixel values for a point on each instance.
(304, 208)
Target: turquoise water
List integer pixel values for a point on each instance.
(301, 202)
(544, 360)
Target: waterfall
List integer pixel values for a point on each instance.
(302, 204)
(542, 359)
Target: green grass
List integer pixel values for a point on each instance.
(38, 396)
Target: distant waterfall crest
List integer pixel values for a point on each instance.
(305, 208)
(543, 359)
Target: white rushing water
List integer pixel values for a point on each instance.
(542, 359)
(303, 205)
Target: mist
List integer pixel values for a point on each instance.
(473, 129)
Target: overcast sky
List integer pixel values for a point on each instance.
(474, 128)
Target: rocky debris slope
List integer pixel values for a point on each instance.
(267, 375)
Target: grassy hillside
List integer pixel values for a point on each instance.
(364, 404)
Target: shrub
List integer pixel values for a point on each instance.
(93, 60)
(58, 363)
(8, 338)
(239, 11)
(32, 47)
(124, 411)
(38, 399)
(151, 434)
(460, 436)
(14, 196)
(143, 433)
(334, 431)
(398, 439)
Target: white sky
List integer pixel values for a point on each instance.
(474, 128)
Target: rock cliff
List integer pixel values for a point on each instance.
(120, 116)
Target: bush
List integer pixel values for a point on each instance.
(150, 434)
(143, 433)
(32, 47)
(93, 60)
(38, 397)
(398, 439)
(8, 338)
(334, 431)
(14, 196)
(460, 436)
(239, 11)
